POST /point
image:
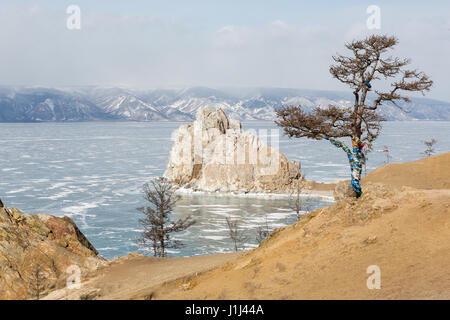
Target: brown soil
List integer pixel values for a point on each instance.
(320, 186)
(135, 276)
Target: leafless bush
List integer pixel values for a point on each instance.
(262, 232)
(235, 233)
(429, 151)
(299, 202)
(37, 281)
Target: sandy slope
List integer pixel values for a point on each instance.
(429, 173)
(404, 231)
(135, 276)
(326, 255)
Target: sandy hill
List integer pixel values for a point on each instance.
(429, 173)
(400, 225)
(326, 255)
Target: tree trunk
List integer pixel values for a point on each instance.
(356, 177)
(355, 159)
(161, 233)
(356, 165)
(163, 254)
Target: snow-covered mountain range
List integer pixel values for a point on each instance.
(97, 103)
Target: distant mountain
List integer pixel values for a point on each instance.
(97, 103)
(32, 105)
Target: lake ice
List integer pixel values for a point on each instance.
(94, 171)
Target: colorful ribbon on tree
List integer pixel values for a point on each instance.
(355, 158)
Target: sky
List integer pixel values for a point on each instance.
(247, 43)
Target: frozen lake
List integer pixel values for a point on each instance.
(94, 172)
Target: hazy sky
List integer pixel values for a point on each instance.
(147, 44)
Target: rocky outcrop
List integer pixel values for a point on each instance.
(343, 190)
(39, 252)
(212, 153)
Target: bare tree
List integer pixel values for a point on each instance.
(299, 202)
(157, 223)
(262, 232)
(235, 233)
(37, 281)
(429, 151)
(360, 122)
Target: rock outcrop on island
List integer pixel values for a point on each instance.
(213, 153)
(38, 253)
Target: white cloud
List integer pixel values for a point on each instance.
(154, 51)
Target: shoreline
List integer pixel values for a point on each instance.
(326, 195)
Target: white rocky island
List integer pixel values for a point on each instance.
(213, 154)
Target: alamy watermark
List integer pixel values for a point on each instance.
(74, 279)
(231, 148)
(73, 21)
(374, 19)
(374, 280)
